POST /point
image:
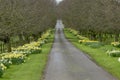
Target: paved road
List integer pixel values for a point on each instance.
(68, 63)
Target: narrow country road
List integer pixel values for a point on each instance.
(68, 63)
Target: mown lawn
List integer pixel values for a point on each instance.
(33, 68)
(98, 55)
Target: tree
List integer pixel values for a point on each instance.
(93, 18)
(25, 18)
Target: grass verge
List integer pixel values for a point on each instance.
(33, 68)
(98, 55)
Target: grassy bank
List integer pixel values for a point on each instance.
(98, 55)
(33, 68)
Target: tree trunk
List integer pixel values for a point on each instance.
(35, 37)
(21, 37)
(8, 43)
(93, 36)
(27, 39)
(100, 37)
(1, 48)
(9, 46)
(116, 38)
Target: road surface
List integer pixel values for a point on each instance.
(68, 63)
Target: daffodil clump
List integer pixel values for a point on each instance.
(14, 58)
(33, 47)
(82, 38)
(118, 59)
(114, 53)
(87, 41)
(73, 31)
(45, 36)
(115, 44)
(2, 69)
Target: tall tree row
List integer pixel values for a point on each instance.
(25, 18)
(96, 19)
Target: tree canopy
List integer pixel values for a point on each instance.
(25, 18)
(91, 17)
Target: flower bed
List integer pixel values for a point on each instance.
(8, 59)
(28, 48)
(14, 58)
(19, 55)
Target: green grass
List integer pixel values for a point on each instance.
(98, 55)
(34, 67)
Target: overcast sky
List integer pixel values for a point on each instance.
(58, 1)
